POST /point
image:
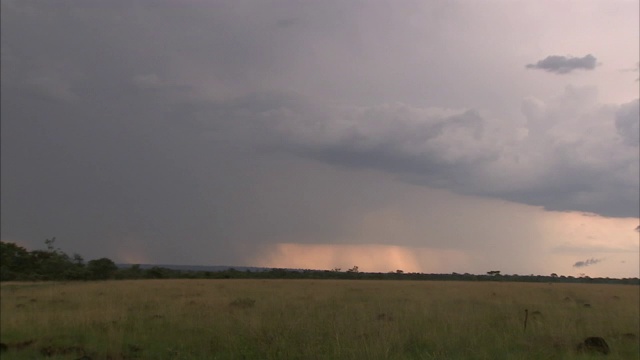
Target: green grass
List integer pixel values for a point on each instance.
(315, 319)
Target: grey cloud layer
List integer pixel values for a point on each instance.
(569, 154)
(563, 64)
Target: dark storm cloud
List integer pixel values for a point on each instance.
(563, 64)
(587, 262)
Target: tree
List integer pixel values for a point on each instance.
(354, 269)
(493, 272)
(132, 272)
(77, 259)
(15, 261)
(52, 264)
(157, 272)
(101, 269)
(49, 243)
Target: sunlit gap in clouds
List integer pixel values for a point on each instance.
(587, 232)
(574, 237)
(563, 238)
(370, 258)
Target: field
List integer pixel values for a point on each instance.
(315, 319)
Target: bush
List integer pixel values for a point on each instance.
(101, 269)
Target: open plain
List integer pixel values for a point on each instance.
(315, 319)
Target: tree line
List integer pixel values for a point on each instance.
(19, 264)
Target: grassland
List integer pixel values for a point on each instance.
(321, 319)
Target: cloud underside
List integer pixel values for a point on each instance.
(563, 64)
(572, 154)
(581, 157)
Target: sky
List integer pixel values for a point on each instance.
(426, 136)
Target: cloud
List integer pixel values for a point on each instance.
(587, 262)
(571, 154)
(388, 135)
(563, 64)
(628, 123)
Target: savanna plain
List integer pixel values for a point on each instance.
(315, 319)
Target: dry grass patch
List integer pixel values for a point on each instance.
(315, 319)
